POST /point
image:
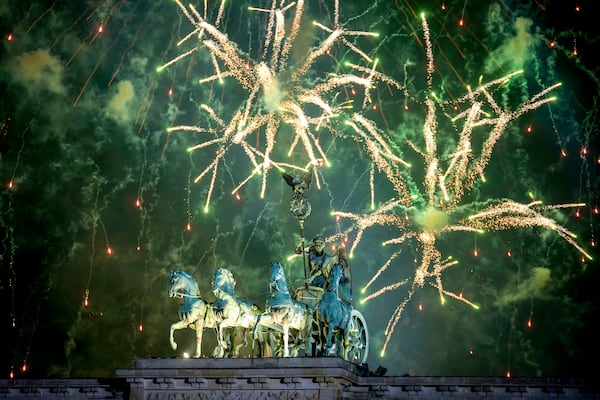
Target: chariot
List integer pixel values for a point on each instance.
(340, 329)
(314, 321)
(318, 322)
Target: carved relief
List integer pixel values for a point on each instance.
(236, 395)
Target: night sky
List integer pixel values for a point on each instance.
(99, 200)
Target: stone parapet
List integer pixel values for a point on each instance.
(313, 378)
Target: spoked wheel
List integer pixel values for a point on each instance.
(358, 340)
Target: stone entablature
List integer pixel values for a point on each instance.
(242, 378)
(54, 389)
(312, 378)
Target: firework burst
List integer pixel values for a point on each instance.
(282, 100)
(421, 214)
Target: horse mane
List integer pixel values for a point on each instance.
(190, 278)
(280, 293)
(282, 281)
(226, 281)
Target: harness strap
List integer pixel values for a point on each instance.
(192, 296)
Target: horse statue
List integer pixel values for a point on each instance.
(231, 312)
(338, 315)
(284, 313)
(194, 311)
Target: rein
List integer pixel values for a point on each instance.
(183, 294)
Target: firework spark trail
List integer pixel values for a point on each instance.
(510, 214)
(38, 19)
(68, 29)
(277, 93)
(380, 217)
(104, 53)
(94, 32)
(130, 46)
(437, 209)
(380, 152)
(8, 246)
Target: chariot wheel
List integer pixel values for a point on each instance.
(358, 339)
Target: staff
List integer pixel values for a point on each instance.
(299, 205)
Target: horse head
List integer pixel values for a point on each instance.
(180, 282)
(277, 280)
(334, 277)
(223, 281)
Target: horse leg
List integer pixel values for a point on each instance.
(243, 342)
(176, 326)
(255, 329)
(229, 341)
(322, 339)
(329, 345)
(308, 350)
(268, 344)
(199, 332)
(286, 340)
(265, 344)
(267, 347)
(255, 340)
(257, 337)
(218, 352)
(221, 338)
(346, 344)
